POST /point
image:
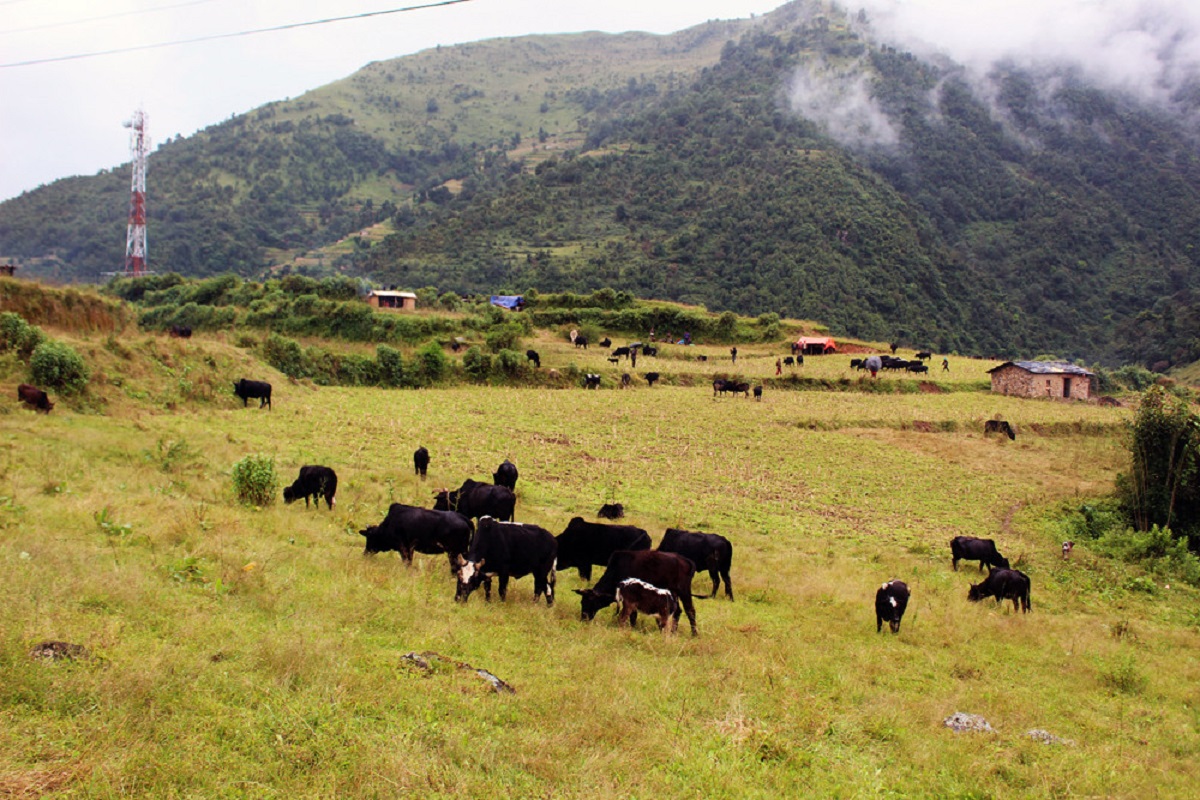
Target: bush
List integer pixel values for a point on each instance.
(431, 364)
(503, 337)
(510, 362)
(254, 480)
(391, 365)
(477, 363)
(54, 364)
(18, 335)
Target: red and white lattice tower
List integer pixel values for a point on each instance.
(135, 238)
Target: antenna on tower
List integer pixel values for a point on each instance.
(135, 237)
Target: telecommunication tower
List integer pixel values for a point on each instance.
(135, 238)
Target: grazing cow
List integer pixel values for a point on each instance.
(507, 550)
(506, 475)
(1004, 584)
(611, 511)
(669, 571)
(474, 499)
(708, 551)
(625, 380)
(621, 351)
(591, 381)
(739, 388)
(635, 595)
(651, 377)
(316, 482)
(34, 397)
(890, 601)
(702, 358)
(1067, 548)
(181, 332)
(924, 355)
(971, 548)
(999, 426)
(581, 341)
(789, 361)
(650, 351)
(858, 363)
(421, 461)
(253, 389)
(606, 342)
(916, 367)
(583, 544)
(533, 356)
(758, 392)
(614, 360)
(409, 529)
(720, 385)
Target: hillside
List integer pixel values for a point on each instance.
(1045, 217)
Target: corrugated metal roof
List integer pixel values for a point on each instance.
(383, 293)
(1046, 368)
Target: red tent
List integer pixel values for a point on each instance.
(816, 345)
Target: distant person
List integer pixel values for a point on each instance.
(945, 365)
(778, 367)
(733, 354)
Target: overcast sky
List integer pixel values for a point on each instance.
(61, 119)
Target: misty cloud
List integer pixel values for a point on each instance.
(842, 104)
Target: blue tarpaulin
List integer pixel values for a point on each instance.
(510, 301)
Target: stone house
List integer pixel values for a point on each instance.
(1055, 379)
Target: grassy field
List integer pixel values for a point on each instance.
(246, 652)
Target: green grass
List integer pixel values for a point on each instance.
(254, 652)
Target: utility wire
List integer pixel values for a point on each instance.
(289, 26)
(101, 18)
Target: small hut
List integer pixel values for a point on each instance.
(392, 300)
(1042, 379)
(816, 345)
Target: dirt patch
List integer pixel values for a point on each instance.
(930, 388)
(922, 427)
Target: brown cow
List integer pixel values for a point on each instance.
(635, 595)
(34, 397)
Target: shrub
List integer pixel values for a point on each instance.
(18, 335)
(285, 355)
(510, 362)
(254, 480)
(391, 365)
(431, 364)
(54, 364)
(477, 363)
(503, 337)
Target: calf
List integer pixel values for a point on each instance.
(651, 377)
(999, 426)
(508, 550)
(857, 363)
(421, 461)
(789, 361)
(474, 499)
(611, 511)
(533, 356)
(581, 341)
(669, 571)
(253, 389)
(606, 342)
(626, 380)
(35, 398)
(890, 601)
(409, 529)
(971, 548)
(583, 544)
(709, 551)
(635, 595)
(316, 482)
(506, 475)
(1004, 584)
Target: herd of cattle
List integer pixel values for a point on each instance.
(474, 527)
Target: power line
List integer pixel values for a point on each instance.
(101, 18)
(289, 26)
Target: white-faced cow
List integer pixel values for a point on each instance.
(316, 482)
(474, 499)
(669, 571)
(890, 601)
(584, 543)
(1003, 584)
(971, 548)
(708, 551)
(508, 550)
(506, 475)
(248, 390)
(421, 461)
(635, 596)
(409, 529)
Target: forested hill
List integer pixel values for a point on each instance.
(1053, 218)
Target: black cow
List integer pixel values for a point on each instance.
(611, 511)
(669, 571)
(719, 385)
(702, 358)
(421, 461)
(789, 361)
(999, 426)
(181, 331)
(971, 548)
(709, 551)
(316, 482)
(506, 475)
(1003, 584)
(924, 355)
(890, 601)
(621, 351)
(591, 381)
(409, 529)
(916, 367)
(508, 550)
(651, 377)
(34, 397)
(738, 388)
(583, 544)
(857, 363)
(253, 389)
(581, 341)
(650, 351)
(533, 356)
(606, 342)
(474, 499)
(635, 595)
(758, 392)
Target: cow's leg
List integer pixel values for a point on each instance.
(503, 586)
(728, 585)
(686, 601)
(955, 563)
(585, 573)
(406, 555)
(713, 573)
(487, 588)
(633, 617)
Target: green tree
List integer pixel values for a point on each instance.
(1161, 486)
